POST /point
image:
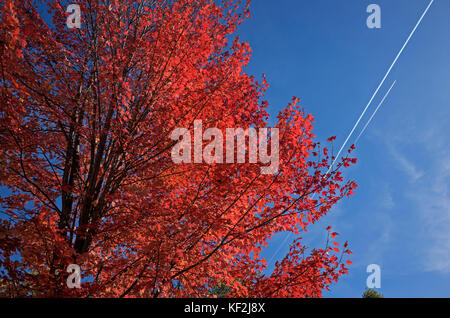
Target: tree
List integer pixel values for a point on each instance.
(371, 293)
(85, 123)
(220, 291)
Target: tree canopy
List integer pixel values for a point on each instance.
(86, 171)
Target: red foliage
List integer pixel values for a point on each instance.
(85, 166)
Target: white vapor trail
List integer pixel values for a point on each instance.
(367, 106)
(382, 81)
(374, 113)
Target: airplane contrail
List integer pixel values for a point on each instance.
(382, 82)
(368, 104)
(367, 124)
(374, 113)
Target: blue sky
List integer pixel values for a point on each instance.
(322, 52)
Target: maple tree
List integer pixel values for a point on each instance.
(85, 166)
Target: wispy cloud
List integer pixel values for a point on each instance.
(404, 163)
(428, 192)
(386, 199)
(433, 201)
